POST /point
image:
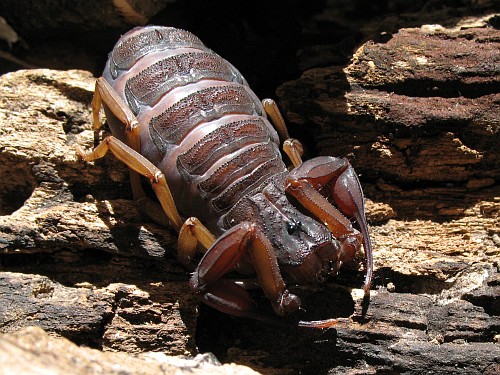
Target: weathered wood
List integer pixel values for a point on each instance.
(426, 103)
(91, 243)
(421, 325)
(45, 18)
(418, 118)
(33, 351)
(119, 317)
(125, 290)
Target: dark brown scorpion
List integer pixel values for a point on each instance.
(187, 120)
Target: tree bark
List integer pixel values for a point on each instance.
(31, 350)
(109, 280)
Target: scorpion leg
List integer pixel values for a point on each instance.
(292, 147)
(227, 251)
(191, 233)
(307, 184)
(141, 165)
(276, 118)
(105, 94)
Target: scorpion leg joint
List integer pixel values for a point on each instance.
(191, 233)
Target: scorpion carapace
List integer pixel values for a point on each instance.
(186, 119)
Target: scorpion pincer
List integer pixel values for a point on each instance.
(186, 119)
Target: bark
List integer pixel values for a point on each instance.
(31, 350)
(112, 283)
(416, 112)
(35, 20)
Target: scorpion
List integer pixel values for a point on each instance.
(185, 119)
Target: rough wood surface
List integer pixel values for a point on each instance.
(109, 262)
(426, 102)
(43, 18)
(443, 296)
(419, 121)
(32, 351)
(424, 142)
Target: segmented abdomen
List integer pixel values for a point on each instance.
(200, 123)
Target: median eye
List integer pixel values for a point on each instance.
(292, 226)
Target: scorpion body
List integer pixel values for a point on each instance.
(186, 118)
(203, 126)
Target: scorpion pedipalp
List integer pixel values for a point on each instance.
(348, 196)
(336, 180)
(224, 255)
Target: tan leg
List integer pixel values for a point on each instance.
(294, 150)
(292, 147)
(276, 118)
(141, 165)
(191, 233)
(104, 93)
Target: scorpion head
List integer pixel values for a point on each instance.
(306, 250)
(308, 253)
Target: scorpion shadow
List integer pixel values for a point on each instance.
(262, 346)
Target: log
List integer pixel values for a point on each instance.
(424, 87)
(79, 261)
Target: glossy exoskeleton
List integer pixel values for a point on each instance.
(186, 119)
